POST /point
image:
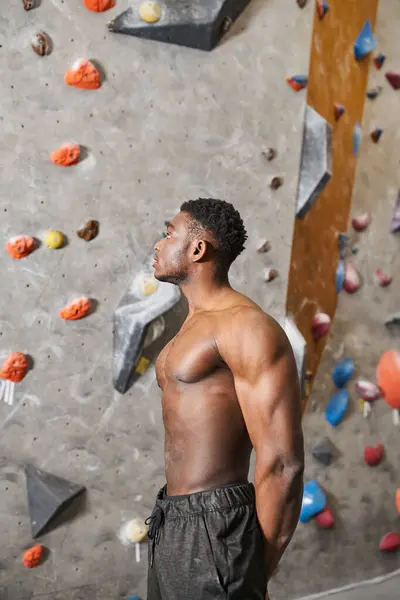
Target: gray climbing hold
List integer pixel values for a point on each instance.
(343, 243)
(316, 161)
(197, 23)
(392, 324)
(323, 451)
(145, 300)
(47, 496)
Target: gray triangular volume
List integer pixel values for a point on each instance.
(47, 494)
(132, 318)
(193, 23)
(316, 161)
(323, 451)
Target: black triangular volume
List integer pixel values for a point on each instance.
(196, 24)
(47, 495)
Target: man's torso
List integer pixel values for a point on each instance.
(206, 440)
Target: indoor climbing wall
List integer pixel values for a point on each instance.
(352, 440)
(148, 125)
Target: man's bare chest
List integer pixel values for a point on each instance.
(189, 357)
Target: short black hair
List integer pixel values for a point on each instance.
(223, 222)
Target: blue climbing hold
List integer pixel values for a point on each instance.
(365, 42)
(314, 501)
(336, 407)
(133, 598)
(357, 133)
(339, 276)
(343, 372)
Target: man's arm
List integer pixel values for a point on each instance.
(260, 357)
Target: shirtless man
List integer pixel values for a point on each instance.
(229, 384)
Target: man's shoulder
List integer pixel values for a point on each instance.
(246, 322)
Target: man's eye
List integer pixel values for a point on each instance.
(168, 235)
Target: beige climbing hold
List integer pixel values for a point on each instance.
(150, 12)
(136, 531)
(148, 285)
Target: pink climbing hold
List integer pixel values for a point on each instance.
(352, 280)
(361, 222)
(390, 542)
(320, 325)
(383, 280)
(393, 79)
(325, 519)
(373, 456)
(367, 390)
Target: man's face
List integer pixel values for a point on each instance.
(171, 263)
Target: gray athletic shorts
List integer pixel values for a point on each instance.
(207, 545)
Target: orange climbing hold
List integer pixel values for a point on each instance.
(388, 378)
(83, 74)
(67, 155)
(14, 367)
(77, 309)
(99, 5)
(398, 500)
(33, 556)
(20, 246)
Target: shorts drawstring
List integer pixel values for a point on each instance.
(156, 522)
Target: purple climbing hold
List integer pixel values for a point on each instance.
(314, 501)
(395, 226)
(343, 372)
(357, 134)
(339, 276)
(337, 407)
(365, 42)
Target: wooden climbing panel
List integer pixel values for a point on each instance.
(335, 77)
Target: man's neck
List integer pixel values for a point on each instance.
(205, 295)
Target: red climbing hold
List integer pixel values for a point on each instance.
(373, 456)
(376, 135)
(325, 519)
(390, 542)
(394, 80)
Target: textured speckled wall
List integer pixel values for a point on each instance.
(168, 124)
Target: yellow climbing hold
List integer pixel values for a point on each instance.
(148, 285)
(150, 12)
(142, 365)
(54, 239)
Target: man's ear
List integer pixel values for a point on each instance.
(200, 249)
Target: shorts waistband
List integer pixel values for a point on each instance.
(221, 498)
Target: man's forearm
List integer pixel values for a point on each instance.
(278, 502)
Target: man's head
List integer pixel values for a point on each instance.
(206, 232)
